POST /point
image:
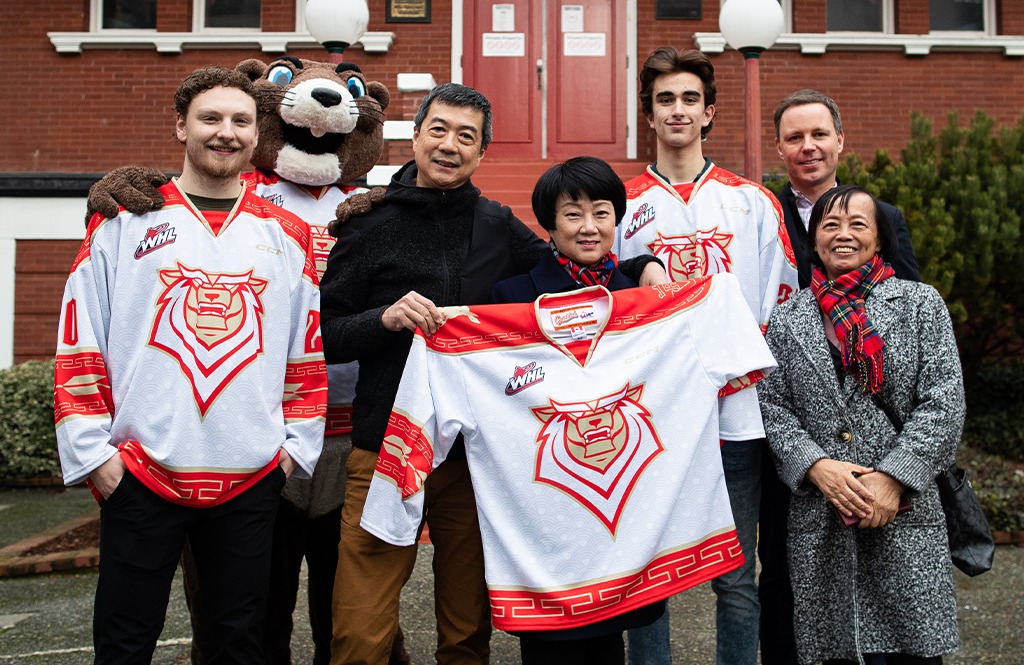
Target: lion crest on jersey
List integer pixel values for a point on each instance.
(211, 323)
(596, 450)
(693, 255)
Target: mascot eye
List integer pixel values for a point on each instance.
(356, 87)
(280, 75)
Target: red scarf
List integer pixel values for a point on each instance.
(599, 273)
(861, 347)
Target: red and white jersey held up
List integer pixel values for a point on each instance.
(591, 428)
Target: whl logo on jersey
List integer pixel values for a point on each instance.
(693, 255)
(641, 218)
(212, 323)
(156, 237)
(523, 378)
(595, 451)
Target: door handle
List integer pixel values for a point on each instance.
(540, 72)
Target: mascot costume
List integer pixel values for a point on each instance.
(321, 128)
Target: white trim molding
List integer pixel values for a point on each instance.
(818, 43)
(64, 221)
(174, 42)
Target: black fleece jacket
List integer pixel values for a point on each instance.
(449, 246)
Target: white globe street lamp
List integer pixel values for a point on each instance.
(337, 24)
(750, 27)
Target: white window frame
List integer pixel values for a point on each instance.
(988, 17)
(199, 21)
(96, 20)
(300, 16)
(888, 21)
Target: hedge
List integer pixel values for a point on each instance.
(28, 444)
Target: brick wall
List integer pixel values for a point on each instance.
(103, 108)
(42, 268)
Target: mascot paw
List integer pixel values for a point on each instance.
(355, 205)
(131, 187)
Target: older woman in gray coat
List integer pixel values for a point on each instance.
(882, 590)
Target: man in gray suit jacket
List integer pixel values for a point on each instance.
(809, 138)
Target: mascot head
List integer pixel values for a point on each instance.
(322, 123)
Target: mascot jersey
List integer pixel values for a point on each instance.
(197, 355)
(591, 429)
(720, 223)
(316, 205)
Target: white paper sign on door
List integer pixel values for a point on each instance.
(583, 44)
(572, 18)
(503, 18)
(504, 44)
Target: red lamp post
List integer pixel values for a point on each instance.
(750, 27)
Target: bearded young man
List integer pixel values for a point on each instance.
(190, 383)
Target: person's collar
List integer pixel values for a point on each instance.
(703, 170)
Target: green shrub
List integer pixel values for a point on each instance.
(28, 444)
(962, 193)
(995, 410)
(999, 484)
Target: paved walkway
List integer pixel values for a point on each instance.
(46, 619)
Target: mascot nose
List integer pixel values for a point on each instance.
(326, 97)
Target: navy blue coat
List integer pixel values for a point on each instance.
(547, 277)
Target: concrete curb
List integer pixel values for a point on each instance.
(12, 563)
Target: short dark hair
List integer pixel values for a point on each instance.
(669, 60)
(577, 178)
(207, 78)
(839, 197)
(808, 96)
(456, 94)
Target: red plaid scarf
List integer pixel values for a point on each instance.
(861, 347)
(599, 273)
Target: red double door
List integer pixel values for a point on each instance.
(555, 73)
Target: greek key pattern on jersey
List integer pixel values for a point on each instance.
(339, 419)
(406, 454)
(189, 488)
(589, 603)
(81, 386)
(305, 390)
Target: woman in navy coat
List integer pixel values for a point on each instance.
(579, 202)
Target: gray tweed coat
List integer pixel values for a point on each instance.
(885, 590)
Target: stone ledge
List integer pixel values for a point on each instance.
(13, 564)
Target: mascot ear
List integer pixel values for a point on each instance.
(252, 68)
(377, 90)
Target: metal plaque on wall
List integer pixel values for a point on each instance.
(407, 11)
(688, 9)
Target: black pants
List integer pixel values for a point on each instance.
(141, 539)
(297, 536)
(778, 643)
(602, 650)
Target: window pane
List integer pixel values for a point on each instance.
(232, 14)
(129, 14)
(957, 15)
(860, 15)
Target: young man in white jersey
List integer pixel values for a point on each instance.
(190, 382)
(701, 219)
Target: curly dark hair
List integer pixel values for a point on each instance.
(206, 78)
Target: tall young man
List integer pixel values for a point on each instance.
(190, 383)
(701, 219)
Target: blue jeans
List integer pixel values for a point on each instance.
(737, 614)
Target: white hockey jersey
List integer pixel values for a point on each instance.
(196, 355)
(591, 428)
(721, 223)
(316, 206)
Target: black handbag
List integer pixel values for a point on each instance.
(970, 539)
(971, 545)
